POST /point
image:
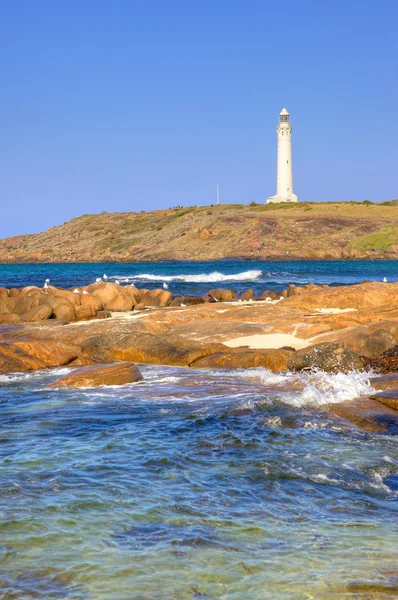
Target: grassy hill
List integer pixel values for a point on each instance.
(332, 230)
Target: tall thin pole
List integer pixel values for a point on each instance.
(218, 194)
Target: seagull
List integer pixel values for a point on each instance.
(117, 282)
(98, 279)
(385, 280)
(84, 292)
(165, 286)
(105, 277)
(47, 281)
(76, 291)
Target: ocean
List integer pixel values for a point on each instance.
(197, 278)
(195, 484)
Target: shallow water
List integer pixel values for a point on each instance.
(194, 484)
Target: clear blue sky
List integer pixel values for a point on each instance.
(141, 104)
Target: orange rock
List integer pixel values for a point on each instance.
(366, 414)
(133, 292)
(6, 302)
(204, 234)
(248, 295)
(361, 296)
(38, 313)
(186, 300)
(7, 318)
(269, 294)
(389, 398)
(243, 358)
(220, 295)
(62, 308)
(105, 292)
(385, 382)
(368, 340)
(103, 314)
(93, 301)
(96, 375)
(25, 302)
(27, 355)
(158, 298)
(120, 303)
(84, 313)
(328, 356)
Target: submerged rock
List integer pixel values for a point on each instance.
(367, 414)
(96, 375)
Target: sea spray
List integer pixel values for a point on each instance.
(314, 388)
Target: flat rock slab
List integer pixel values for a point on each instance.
(243, 358)
(97, 375)
(367, 414)
(389, 398)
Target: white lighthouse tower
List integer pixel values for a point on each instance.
(284, 178)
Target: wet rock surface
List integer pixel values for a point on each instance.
(331, 357)
(367, 414)
(97, 375)
(389, 398)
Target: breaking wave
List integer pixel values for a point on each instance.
(191, 278)
(314, 388)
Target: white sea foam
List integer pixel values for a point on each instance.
(192, 278)
(318, 387)
(20, 376)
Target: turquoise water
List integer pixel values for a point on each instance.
(195, 484)
(200, 277)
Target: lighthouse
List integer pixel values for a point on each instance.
(284, 177)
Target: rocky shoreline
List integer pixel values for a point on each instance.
(104, 329)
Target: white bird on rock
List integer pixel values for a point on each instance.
(165, 286)
(105, 277)
(76, 291)
(98, 279)
(385, 280)
(117, 282)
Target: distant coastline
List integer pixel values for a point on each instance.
(284, 232)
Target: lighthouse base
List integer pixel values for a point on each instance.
(277, 199)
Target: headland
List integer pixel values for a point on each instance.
(302, 231)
